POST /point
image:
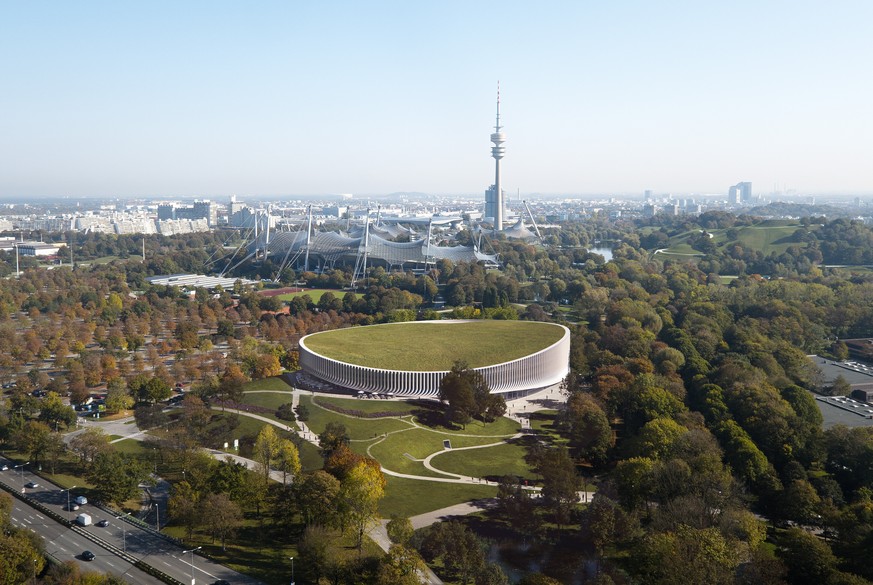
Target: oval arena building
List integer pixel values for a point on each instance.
(410, 359)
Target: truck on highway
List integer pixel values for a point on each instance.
(83, 520)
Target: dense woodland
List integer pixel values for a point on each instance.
(689, 400)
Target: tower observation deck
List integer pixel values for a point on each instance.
(494, 207)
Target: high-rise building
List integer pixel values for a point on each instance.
(740, 193)
(733, 195)
(494, 207)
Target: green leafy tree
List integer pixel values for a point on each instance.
(401, 566)
(116, 477)
(359, 497)
(314, 549)
(288, 460)
(560, 482)
(222, 516)
(588, 427)
(686, 557)
(317, 494)
(266, 450)
(55, 413)
(458, 389)
(183, 507)
(332, 437)
(399, 529)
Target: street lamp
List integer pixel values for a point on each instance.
(123, 531)
(21, 466)
(157, 517)
(192, 561)
(292, 570)
(69, 509)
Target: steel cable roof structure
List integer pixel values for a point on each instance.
(333, 246)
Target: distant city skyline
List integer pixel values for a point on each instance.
(216, 98)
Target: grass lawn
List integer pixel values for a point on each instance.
(419, 443)
(262, 550)
(133, 447)
(370, 405)
(276, 384)
(315, 294)
(410, 497)
(358, 428)
(491, 462)
(435, 345)
(310, 457)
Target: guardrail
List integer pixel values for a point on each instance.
(138, 563)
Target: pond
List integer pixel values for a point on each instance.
(605, 252)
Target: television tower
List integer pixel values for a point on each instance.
(494, 200)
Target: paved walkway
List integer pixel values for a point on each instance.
(518, 410)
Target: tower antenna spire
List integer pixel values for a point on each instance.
(497, 125)
(494, 206)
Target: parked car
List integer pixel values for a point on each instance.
(31, 484)
(87, 556)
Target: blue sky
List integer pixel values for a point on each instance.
(266, 98)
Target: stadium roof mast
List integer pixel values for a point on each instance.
(533, 221)
(308, 240)
(363, 250)
(497, 151)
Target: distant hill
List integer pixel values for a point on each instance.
(765, 236)
(783, 209)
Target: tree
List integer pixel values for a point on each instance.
(560, 482)
(399, 529)
(538, 579)
(21, 556)
(314, 547)
(317, 494)
(590, 433)
(461, 551)
(266, 366)
(89, 444)
(459, 388)
(118, 398)
(183, 507)
(288, 460)
(222, 516)
(359, 497)
(266, 450)
(116, 477)
(688, 556)
(808, 558)
(332, 437)
(401, 566)
(517, 506)
(56, 413)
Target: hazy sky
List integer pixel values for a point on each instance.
(213, 98)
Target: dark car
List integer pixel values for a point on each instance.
(31, 484)
(220, 582)
(103, 523)
(87, 556)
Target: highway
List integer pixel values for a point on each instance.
(65, 545)
(122, 538)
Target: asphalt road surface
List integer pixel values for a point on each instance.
(65, 545)
(120, 535)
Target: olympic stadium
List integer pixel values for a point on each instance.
(410, 359)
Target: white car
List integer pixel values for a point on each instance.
(4, 467)
(81, 500)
